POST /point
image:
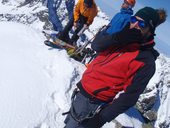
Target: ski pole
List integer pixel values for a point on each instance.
(79, 50)
(82, 30)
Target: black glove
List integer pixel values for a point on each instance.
(128, 35)
(95, 122)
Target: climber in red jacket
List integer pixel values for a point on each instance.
(125, 63)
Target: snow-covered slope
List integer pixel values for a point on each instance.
(162, 81)
(153, 103)
(34, 79)
(30, 12)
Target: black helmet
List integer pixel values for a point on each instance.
(89, 3)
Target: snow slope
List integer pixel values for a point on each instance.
(32, 77)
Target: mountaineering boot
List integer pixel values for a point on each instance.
(53, 36)
(63, 37)
(74, 39)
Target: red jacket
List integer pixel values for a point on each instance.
(112, 71)
(127, 69)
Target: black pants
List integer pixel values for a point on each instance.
(82, 106)
(65, 33)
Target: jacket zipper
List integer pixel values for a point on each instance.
(115, 50)
(111, 59)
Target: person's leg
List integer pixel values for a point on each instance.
(53, 17)
(75, 36)
(64, 35)
(82, 21)
(70, 6)
(82, 107)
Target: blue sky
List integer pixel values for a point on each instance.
(111, 7)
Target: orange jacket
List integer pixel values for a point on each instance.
(80, 9)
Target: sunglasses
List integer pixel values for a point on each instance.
(141, 23)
